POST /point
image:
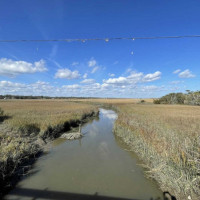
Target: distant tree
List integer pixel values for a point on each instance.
(172, 98)
(192, 98)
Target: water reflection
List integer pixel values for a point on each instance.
(108, 114)
(95, 164)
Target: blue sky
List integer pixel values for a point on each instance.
(117, 68)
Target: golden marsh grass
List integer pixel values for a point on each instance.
(27, 121)
(166, 137)
(42, 112)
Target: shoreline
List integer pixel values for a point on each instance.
(137, 137)
(15, 171)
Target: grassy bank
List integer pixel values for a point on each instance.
(167, 139)
(26, 125)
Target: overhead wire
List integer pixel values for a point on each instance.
(101, 39)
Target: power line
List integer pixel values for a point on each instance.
(102, 39)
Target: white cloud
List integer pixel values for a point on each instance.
(186, 74)
(111, 75)
(117, 81)
(38, 88)
(67, 73)
(152, 77)
(13, 68)
(94, 69)
(9, 84)
(133, 79)
(75, 86)
(94, 89)
(105, 86)
(176, 71)
(88, 81)
(92, 62)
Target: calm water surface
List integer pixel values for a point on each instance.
(97, 165)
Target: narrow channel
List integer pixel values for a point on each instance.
(96, 165)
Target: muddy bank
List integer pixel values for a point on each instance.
(95, 164)
(23, 151)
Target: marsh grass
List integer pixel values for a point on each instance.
(27, 122)
(166, 137)
(37, 115)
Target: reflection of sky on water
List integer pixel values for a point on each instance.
(92, 164)
(108, 114)
(104, 150)
(93, 130)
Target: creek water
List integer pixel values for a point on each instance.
(97, 166)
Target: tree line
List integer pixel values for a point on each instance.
(8, 96)
(188, 98)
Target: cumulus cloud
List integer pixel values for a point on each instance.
(13, 68)
(67, 73)
(135, 84)
(93, 89)
(117, 81)
(88, 81)
(75, 86)
(176, 71)
(9, 84)
(133, 79)
(92, 62)
(38, 88)
(152, 77)
(186, 74)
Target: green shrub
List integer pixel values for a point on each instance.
(156, 101)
